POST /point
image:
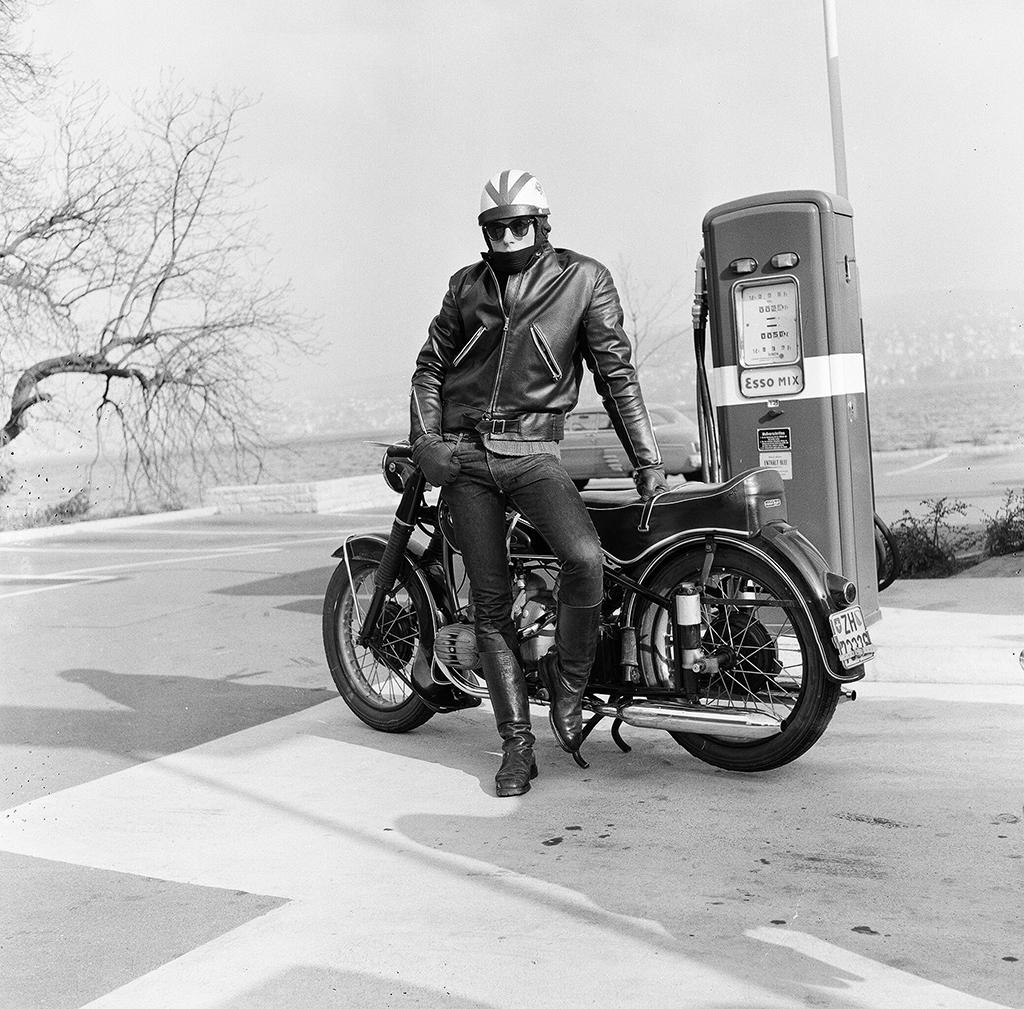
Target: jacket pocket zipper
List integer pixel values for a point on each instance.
(469, 346)
(545, 352)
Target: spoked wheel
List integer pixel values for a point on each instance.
(767, 657)
(374, 678)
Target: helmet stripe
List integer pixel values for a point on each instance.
(493, 194)
(514, 191)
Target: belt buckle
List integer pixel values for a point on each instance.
(495, 429)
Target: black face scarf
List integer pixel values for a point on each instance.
(506, 263)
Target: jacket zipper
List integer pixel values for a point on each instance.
(504, 334)
(544, 349)
(469, 346)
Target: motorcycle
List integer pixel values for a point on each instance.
(721, 623)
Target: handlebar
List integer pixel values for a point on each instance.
(399, 451)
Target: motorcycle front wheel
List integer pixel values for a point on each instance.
(768, 659)
(373, 679)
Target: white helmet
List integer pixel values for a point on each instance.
(512, 193)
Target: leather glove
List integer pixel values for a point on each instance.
(435, 459)
(650, 481)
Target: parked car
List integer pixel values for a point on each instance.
(591, 448)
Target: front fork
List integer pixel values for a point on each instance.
(390, 564)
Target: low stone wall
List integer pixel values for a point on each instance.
(343, 494)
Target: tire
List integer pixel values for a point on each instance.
(372, 680)
(775, 662)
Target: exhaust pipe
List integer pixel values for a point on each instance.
(740, 724)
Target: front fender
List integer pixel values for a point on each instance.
(374, 544)
(438, 696)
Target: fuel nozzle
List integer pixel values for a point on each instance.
(699, 311)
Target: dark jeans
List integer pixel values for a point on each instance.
(539, 487)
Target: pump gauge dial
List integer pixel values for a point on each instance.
(768, 322)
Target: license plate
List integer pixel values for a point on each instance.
(850, 636)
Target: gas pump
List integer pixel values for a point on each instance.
(788, 378)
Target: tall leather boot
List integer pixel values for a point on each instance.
(565, 669)
(507, 688)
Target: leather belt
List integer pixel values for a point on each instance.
(529, 426)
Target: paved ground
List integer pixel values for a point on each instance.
(980, 477)
(191, 817)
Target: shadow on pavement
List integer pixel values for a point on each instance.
(158, 715)
(123, 926)
(296, 583)
(829, 846)
(311, 583)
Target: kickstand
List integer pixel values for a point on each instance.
(587, 729)
(619, 741)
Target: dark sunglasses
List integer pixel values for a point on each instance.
(519, 226)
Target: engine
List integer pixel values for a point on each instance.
(533, 613)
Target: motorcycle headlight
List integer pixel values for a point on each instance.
(396, 472)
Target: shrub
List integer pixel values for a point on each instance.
(1004, 531)
(929, 546)
(74, 507)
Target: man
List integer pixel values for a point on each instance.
(499, 371)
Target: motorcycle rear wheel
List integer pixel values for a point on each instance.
(773, 662)
(373, 680)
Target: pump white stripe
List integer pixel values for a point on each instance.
(825, 376)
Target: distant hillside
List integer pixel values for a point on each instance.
(943, 337)
(922, 340)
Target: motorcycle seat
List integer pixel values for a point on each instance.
(629, 527)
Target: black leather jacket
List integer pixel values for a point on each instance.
(511, 367)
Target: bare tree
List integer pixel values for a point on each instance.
(21, 71)
(129, 258)
(23, 76)
(651, 318)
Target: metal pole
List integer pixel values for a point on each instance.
(835, 96)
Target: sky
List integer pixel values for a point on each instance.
(378, 123)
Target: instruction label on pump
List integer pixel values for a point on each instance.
(782, 461)
(774, 439)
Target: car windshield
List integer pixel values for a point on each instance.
(599, 421)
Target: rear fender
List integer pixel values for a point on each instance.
(792, 547)
(793, 558)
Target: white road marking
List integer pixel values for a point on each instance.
(132, 565)
(82, 576)
(368, 900)
(372, 906)
(920, 465)
(107, 551)
(262, 531)
(959, 693)
(75, 577)
(67, 548)
(67, 581)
